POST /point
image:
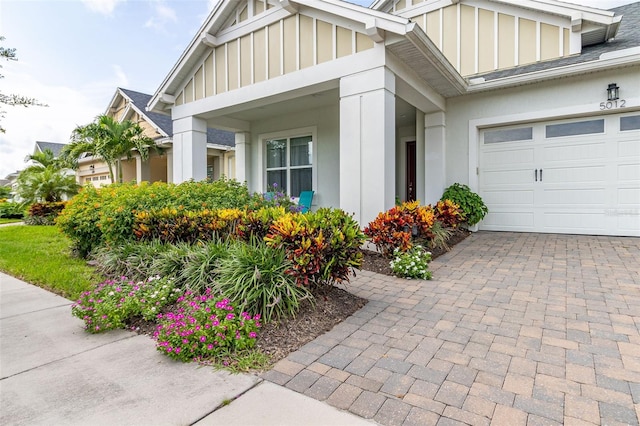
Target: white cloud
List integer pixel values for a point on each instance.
(68, 108)
(105, 7)
(163, 15)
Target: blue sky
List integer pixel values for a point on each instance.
(74, 53)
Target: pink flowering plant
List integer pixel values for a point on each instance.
(204, 327)
(114, 302)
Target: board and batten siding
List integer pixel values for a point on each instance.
(477, 40)
(283, 47)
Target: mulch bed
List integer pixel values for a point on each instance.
(331, 307)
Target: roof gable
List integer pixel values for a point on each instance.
(363, 23)
(53, 146)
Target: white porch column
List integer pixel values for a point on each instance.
(367, 143)
(434, 129)
(243, 152)
(169, 166)
(143, 170)
(420, 155)
(189, 149)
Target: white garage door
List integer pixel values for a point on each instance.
(579, 176)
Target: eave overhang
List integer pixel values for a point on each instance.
(606, 62)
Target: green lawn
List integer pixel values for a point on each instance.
(4, 220)
(41, 255)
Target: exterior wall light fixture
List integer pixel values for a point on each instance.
(93, 168)
(613, 92)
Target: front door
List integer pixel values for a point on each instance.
(410, 168)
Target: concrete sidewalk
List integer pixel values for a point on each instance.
(53, 372)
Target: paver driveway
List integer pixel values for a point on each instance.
(514, 329)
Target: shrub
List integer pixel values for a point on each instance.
(80, 220)
(112, 303)
(256, 223)
(203, 327)
(470, 203)
(448, 213)
(399, 226)
(322, 246)
(107, 214)
(200, 267)
(132, 259)
(256, 276)
(11, 210)
(44, 213)
(413, 263)
(171, 225)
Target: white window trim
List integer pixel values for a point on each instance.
(292, 133)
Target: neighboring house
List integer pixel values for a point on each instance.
(52, 146)
(535, 104)
(10, 181)
(130, 105)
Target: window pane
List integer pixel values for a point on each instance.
(576, 128)
(300, 181)
(301, 151)
(630, 123)
(508, 135)
(276, 153)
(278, 177)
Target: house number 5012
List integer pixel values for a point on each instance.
(618, 103)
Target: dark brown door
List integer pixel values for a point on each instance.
(411, 171)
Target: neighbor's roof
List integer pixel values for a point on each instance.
(627, 37)
(53, 146)
(164, 123)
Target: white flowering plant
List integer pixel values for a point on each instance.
(114, 302)
(413, 263)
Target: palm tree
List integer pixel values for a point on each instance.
(110, 141)
(46, 180)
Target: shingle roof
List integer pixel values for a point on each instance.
(53, 146)
(164, 122)
(628, 36)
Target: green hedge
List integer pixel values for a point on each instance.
(106, 215)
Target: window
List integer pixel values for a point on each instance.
(290, 164)
(575, 128)
(630, 123)
(103, 177)
(508, 135)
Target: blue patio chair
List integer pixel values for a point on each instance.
(306, 197)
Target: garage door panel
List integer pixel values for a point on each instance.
(510, 158)
(512, 219)
(629, 197)
(523, 197)
(629, 172)
(574, 197)
(575, 222)
(628, 223)
(629, 148)
(574, 152)
(575, 174)
(507, 177)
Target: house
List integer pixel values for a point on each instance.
(131, 105)
(54, 147)
(535, 104)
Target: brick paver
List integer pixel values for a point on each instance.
(514, 329)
